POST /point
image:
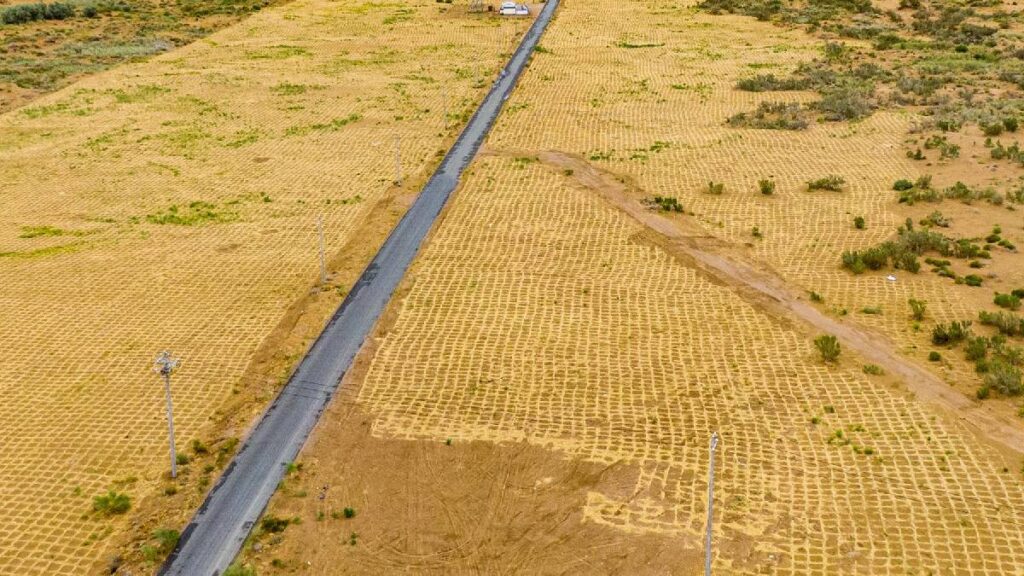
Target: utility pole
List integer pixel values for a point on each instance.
(398, 160)
(323, 264)
(711, 500)
(164, 365)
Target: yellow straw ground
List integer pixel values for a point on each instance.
(172, 204)
(539, 313)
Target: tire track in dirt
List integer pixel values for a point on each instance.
(766, 289)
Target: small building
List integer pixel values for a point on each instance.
(513, 9)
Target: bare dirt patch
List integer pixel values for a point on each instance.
(450, 508)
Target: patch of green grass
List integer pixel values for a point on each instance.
(279, 52)
(873, 370)
(143, 93)
(37, 231)
(631, 45)
(44, 252)
(521, 162)
(237, 569)
(332, 126)
(111, 503)
(289, 89)
(244, 138)
(194, 214)
(701, 89)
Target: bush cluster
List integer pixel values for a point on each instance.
(1007, 323)
(21, 13)
(772, 116)
(952, 333)
(667, 203)
(831, 182)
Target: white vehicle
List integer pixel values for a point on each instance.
(507, 9)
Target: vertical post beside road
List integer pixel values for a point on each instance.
(711, 501)
(164, 365)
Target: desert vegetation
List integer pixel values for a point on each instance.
(47, 45)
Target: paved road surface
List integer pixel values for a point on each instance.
(211, 541)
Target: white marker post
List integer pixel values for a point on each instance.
(711, 500)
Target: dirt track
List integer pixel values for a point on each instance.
(761, 286)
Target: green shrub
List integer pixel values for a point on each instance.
(902, 184)
(22, 13)
(715, 188)
(1010, 124)
(182, 459)
(828, 346)
(167, 539)
(858, 223)
(873, 369)
(111, 503)
(934, 356)
(952, 333)
(832, 183)
(983, 392)
(772, 116)
(667, 204)
(976, 349)
(1004, 378)
(349, 512)
(766, 186)
(1008, 324)
(847, 100)
(854, 262)
(917, 308)
(935, 219)
(239, 570)
(273, 524)
(769, 83)
(972, 280)
(1008, 301)
(992, 129)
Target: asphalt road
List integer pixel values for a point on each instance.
(216, 533)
